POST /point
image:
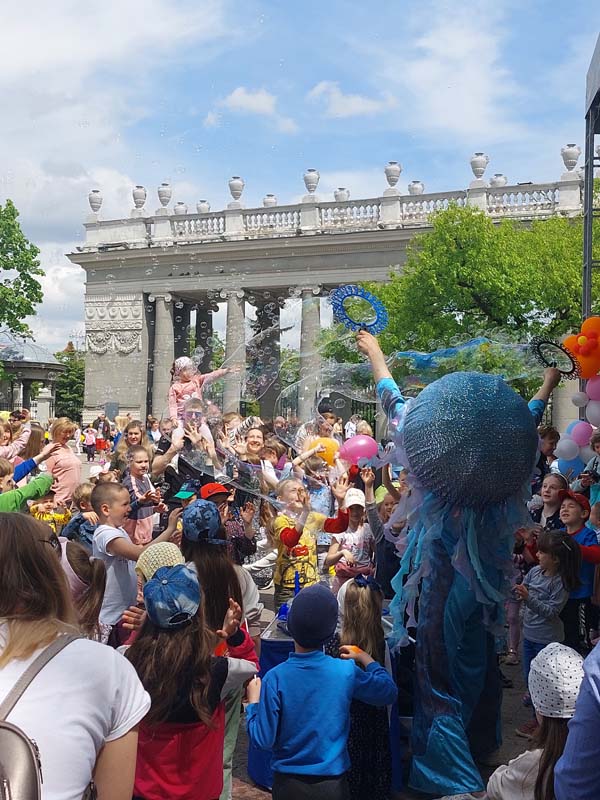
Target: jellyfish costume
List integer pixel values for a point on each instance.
(469, 443)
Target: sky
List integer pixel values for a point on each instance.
(114, 94)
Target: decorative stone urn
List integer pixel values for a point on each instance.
(164, 194)
(392, 172)
(180, 208)
(236, 187)
(203, 207)
(498, 180)
(479, 162)
(570, 155)
(95, 200)
(341, 194)
(269, 200)
(416, 187)
(311, 180)
(139, 196)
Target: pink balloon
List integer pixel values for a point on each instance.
(357, 447)
(592, 388)
(581, 433)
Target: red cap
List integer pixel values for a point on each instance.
(580, 499)
(210, 489)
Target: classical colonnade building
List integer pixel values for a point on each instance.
(149, 275)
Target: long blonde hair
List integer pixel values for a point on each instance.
(362, 620)
(35, 600)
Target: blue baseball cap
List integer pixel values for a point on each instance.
(202, 522)
(172, 596)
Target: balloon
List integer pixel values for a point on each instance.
(581, 433)
(591, 325)
(592, 389)
(571, 425)
(592, 412)
(331, 448)
(566, 449)
(572, 468)
(357, 447)
(581, 399)
(585, 348)
(586, 453)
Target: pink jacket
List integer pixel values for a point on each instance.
(65, 467)
(181, 391)
(13, 449)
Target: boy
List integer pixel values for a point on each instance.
(83, 524)
(112, 545)
(303, 715)
(46, 510)
(574, 513)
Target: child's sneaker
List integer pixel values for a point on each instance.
(527, 729)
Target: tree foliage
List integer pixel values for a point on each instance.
(70, 384)
(20, 292)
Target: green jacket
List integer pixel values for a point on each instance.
(16, 498)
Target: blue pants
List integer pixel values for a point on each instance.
(530, 651)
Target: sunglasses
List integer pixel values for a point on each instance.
(54, 543)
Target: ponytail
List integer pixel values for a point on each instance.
(567, 552)
(92, 572)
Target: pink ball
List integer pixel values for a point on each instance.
(357, 447)
(592, 388)
(581, 433)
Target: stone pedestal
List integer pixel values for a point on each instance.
(310, 359)
(235, 349)
(163, 353)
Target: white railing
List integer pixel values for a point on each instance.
(267, 221)
(523, 200)
(363, 214)
(417, 208)
(195, 227)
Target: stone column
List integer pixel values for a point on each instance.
(163, 354)
(235, 348)
(27, 393)
(204, 332)
(310, 359)
(267, 355)
(181, 325)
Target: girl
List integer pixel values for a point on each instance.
(64, 465)
(545, 591)
(370, 775)
(133, 435)
(181, 739)
(145, 499)
(378, 515)
(548, 515)
(89, 443)
(93, 732)
(87, 581)
(10, 446)
(352, 551)
(187, 383)
(554, 680)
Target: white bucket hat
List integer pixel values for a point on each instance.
(555, 677)
(354, 497)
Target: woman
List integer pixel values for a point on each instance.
(133, 435)
(64, 464)
(81, 727)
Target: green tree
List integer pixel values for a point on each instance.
(20, 292)
(70, 384)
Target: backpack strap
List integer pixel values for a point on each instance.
(13, 697)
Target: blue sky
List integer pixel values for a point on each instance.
(114, 94)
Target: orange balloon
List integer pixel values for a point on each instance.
(589, 364)
(591, 325)
(331, 447)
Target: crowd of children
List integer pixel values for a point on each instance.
(152, 560)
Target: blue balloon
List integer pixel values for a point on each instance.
(571, 425)
(571, 469)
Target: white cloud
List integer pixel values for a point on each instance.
(338, 104)
(259, 102)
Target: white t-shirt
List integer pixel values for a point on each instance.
(359, 542)
(121, 580)
(87, 695)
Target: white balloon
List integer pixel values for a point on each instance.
(586, 453)
(566, 448)
(580, 399)
(592, 412)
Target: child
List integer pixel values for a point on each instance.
(588, 482)
(186, 384)
(545, 591)
(46, 510)
(14, 499)
(112, 545)
(86, 577)
(295, 531)
(387, 561)
(352, 551)
(548, 515)
(145, 499)
(554, 682)
(82, 525)
(180, 745)
(360, 608)
(89, 443)
(303, 715)
(574, 513)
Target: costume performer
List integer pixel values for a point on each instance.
(470, 444)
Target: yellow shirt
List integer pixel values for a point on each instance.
(302, 558)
